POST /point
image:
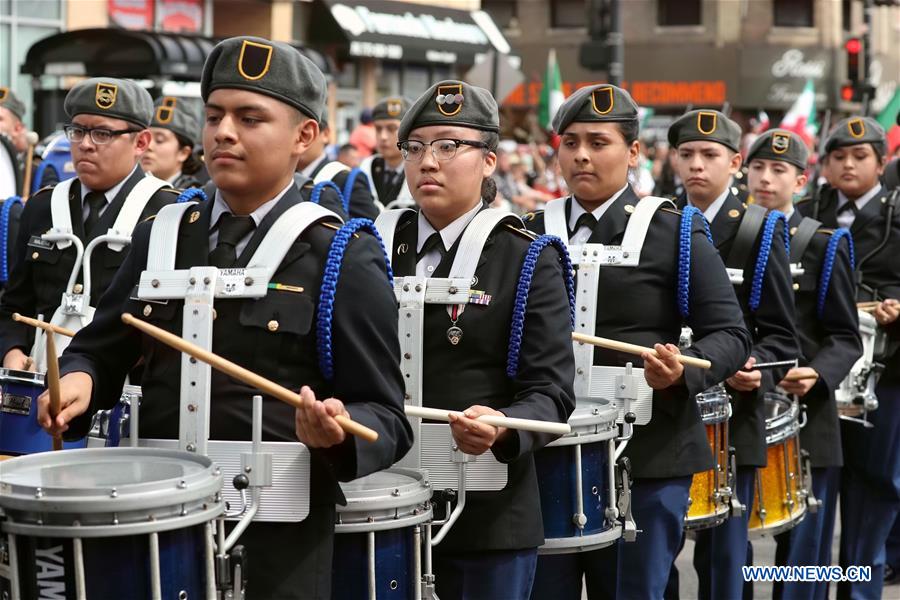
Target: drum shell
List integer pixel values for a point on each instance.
(19, 430)
(707, 507)
(395, 574)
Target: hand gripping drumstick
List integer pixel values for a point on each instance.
(53, 385)
(688, 361)
(43, 325)
(800, 377)
(440, 414)
(240, 373)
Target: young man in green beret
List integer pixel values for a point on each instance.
(171, 153)
(385, 168)
(828, 328)
(870, 487)
(108, 120)
(707, 145)
(263, 103)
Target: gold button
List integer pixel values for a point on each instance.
(147, 310)
(34, 255)
(194, 216)
(215, 314)
(793, 231)
(734, 213)
(796, 286)
(629, 208)
(272, 325)
(77, 288)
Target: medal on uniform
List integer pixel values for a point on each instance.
(454, 333)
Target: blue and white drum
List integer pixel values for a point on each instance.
(576, 475)
(109, 427)
(109, 523)
(379, 535)
(19, 429)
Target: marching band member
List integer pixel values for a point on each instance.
(598, 126)
(315, 161)
(171, 153)
(108, 132)
(263, 102)
(707, 145)
(385, 169)
(828, 328)
(448, 139)
(870, 486)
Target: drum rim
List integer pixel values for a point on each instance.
(594, 541)
(598, 427)
(30, 377)
(204, 483)
(418, 491)
(779, 526)
(784, 425)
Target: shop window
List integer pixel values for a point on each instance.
(673, 13)
(566, 14)
(792, 13)
(503, 12)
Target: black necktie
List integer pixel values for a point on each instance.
(95, 201)
(849, 206)
(232, 230)
(434, 242)
(585, 220)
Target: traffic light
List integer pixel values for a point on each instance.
(854, 55)
(848, 93)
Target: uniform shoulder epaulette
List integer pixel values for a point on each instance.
(522, 232)
(672, 210)
(334, 227)
(802, 201)
(825, 230)
(531, 216)
(171, 190)
(46, 188)
(150, 218)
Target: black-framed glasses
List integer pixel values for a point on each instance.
(444, 149)
(99, 135)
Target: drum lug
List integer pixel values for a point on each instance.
(623, 484)
(812, 502)
(737, 509)
(231, 573)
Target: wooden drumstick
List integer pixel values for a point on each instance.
(231, 369)
(53, 384)
(867, 305)
(442, 414)
(32, 139)
(800, 377)
(688, 361)
(43, 325)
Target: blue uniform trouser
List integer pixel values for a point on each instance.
(486, 575)
(721, 551)
(809, 543)
(625, 570)
(870, 491)
(892, 548)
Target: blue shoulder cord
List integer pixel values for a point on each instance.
(684, 256)
(330, 276)
(4, 236)
(828, 266)
(348, 186)
(191, 194)
(517, 328)
(317, 192)
(762, 260)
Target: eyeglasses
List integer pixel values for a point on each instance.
(413, 151)
(99, 136)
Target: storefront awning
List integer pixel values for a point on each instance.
(404, 31)
(125, 53)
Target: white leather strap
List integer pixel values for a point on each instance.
(555, 219)
(164, 236)
(386, 224)
(134, 205)
(284, 232)
(639, 223)
(472, 243)
(59, 211)
(329, 171)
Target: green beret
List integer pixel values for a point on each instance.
(270, 68)
(857, 130)
(595, 104)
(780, 144)
(11, 102)
(393, 107)
(454, 103)
(109, 97)
(705, 125)
(176, 116)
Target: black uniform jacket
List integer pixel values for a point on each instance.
(830, 344)
(42, 270)
(274, 336)
(474, 372)
(772, 328)
(879, 277)
(362, 203)
(382, 177)
(640, 306)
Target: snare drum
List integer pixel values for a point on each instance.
(780, 499)
(710, 495)
(108, 427)
(377, 549)
(109, 523)
(576, 477)
(855, 395)
(19, 429)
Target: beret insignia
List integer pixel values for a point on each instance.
(254, 60)
(449, 99)
(105, 95)
(780, 143)
(707, 122)
(602, 100)
(856, 127)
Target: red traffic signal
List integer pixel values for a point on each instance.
(853, 46)
(847, 93)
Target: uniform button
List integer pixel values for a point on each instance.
(734, 213)
(77, 288)
(147, 310)
(430, 268)
(793, 231)
(35, 255)
(272, 325)
(796, 286)
(629, 208)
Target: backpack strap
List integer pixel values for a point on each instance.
(802, 237)
(555, 218)
(59, 211)
(751, 223)
(164, 236)
(386, 224)
(131, 210)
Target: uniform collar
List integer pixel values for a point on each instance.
(450, 233)
(312, 167)
(713, 209)
(221, 207)
(577, 209)
(861, 201)
(111, 192)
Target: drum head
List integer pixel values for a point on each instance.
(782, 417)
(714, 404)
(387, 499)
(22, 377)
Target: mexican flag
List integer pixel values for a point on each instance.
(552, 95)
(801, 118)
(889, 118)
